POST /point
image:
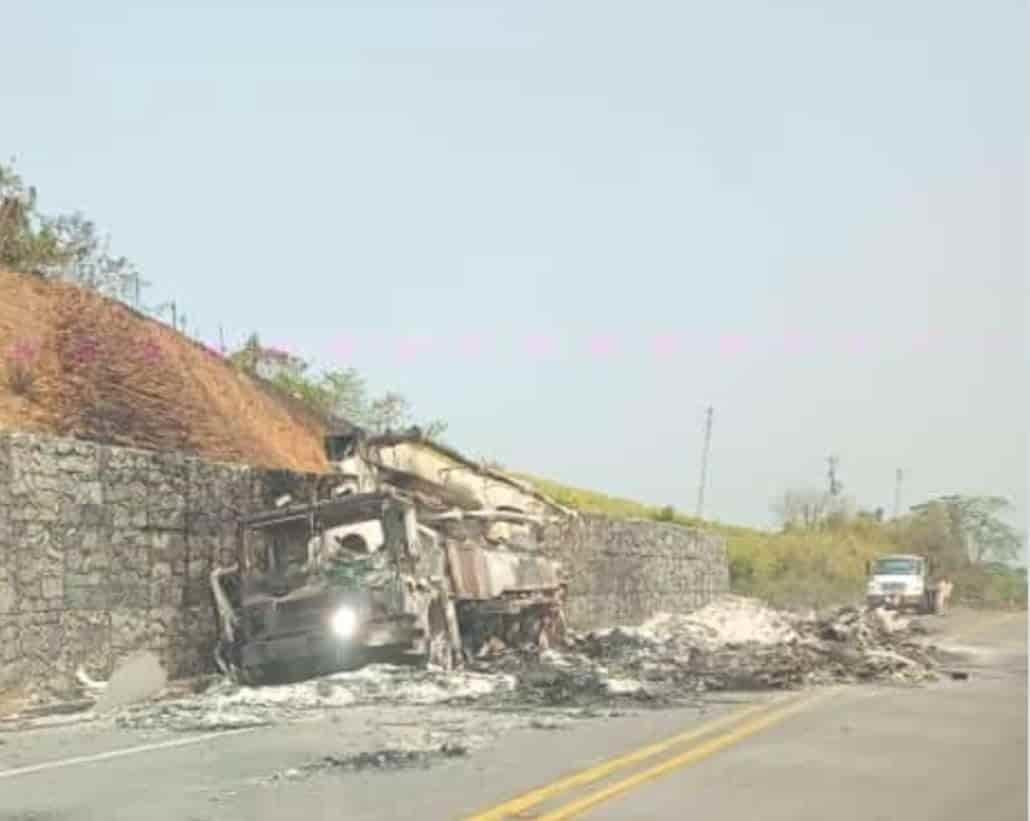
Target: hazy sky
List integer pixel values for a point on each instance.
(567, 228)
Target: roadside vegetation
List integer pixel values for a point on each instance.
(68, 247)
(339, 393)
(818, 555)
(71, 248)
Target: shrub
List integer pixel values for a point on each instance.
(667, 514)
(21, 365)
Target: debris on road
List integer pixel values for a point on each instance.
(227, 705)
(733, 643)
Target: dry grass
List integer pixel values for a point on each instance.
(108, 374)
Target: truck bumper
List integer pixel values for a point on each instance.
(897, 601)
(325, 647)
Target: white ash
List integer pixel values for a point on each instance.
(227, 705)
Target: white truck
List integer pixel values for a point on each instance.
(902, 581)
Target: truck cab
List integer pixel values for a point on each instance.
(901, 581)
(323, 587)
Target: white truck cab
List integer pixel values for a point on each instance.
(901, 581)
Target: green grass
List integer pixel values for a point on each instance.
(591, 501)
(793, 569)
(801, 567)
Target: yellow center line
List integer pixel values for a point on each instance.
(512, 808)
(692, 756)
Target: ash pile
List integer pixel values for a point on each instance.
(734, 643)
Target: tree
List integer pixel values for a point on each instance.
(812, 509)
(434, 430)
(806, 508)
(339, 393)
(59, 247)
(347, 394)
(389, 412)
(971, 527)
(86, 259)
(247, 357)
(928, 530)
(25, 244)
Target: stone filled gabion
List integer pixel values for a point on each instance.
(106, 550)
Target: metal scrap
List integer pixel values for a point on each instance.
(682, 660)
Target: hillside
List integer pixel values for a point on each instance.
(101, 371)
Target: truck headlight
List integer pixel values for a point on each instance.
(344, 622)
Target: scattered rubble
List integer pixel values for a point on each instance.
(227, 705)
(732, 644)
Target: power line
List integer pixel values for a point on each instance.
(704, 462)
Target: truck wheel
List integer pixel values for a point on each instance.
(257, 675)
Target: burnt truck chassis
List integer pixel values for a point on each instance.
(419, 598)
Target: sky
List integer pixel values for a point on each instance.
(569, 228)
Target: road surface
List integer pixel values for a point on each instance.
(947, 751)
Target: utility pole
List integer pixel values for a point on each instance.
(898, 476)
(221, 339)
(175, 317)
(704, 462)
(834, 484)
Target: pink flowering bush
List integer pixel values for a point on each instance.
(151, 352)
(84, 351)
(21, 364)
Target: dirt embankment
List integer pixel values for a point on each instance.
(101, 371)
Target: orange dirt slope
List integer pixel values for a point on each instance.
(103, 372)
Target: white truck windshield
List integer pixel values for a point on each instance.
(897, 567)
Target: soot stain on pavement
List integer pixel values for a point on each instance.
(384, 760)
(388, 759)
(35, 815)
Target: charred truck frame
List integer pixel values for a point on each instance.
(384, 568)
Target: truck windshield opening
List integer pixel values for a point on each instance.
(897, 567)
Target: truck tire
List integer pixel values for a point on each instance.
(254, 676)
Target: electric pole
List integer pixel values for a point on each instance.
(834, 483)
(898, 476)
(704, 462)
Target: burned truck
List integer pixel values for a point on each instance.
(380, 569)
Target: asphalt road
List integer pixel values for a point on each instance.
(952, 750)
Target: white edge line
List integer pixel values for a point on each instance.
(143, 748)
